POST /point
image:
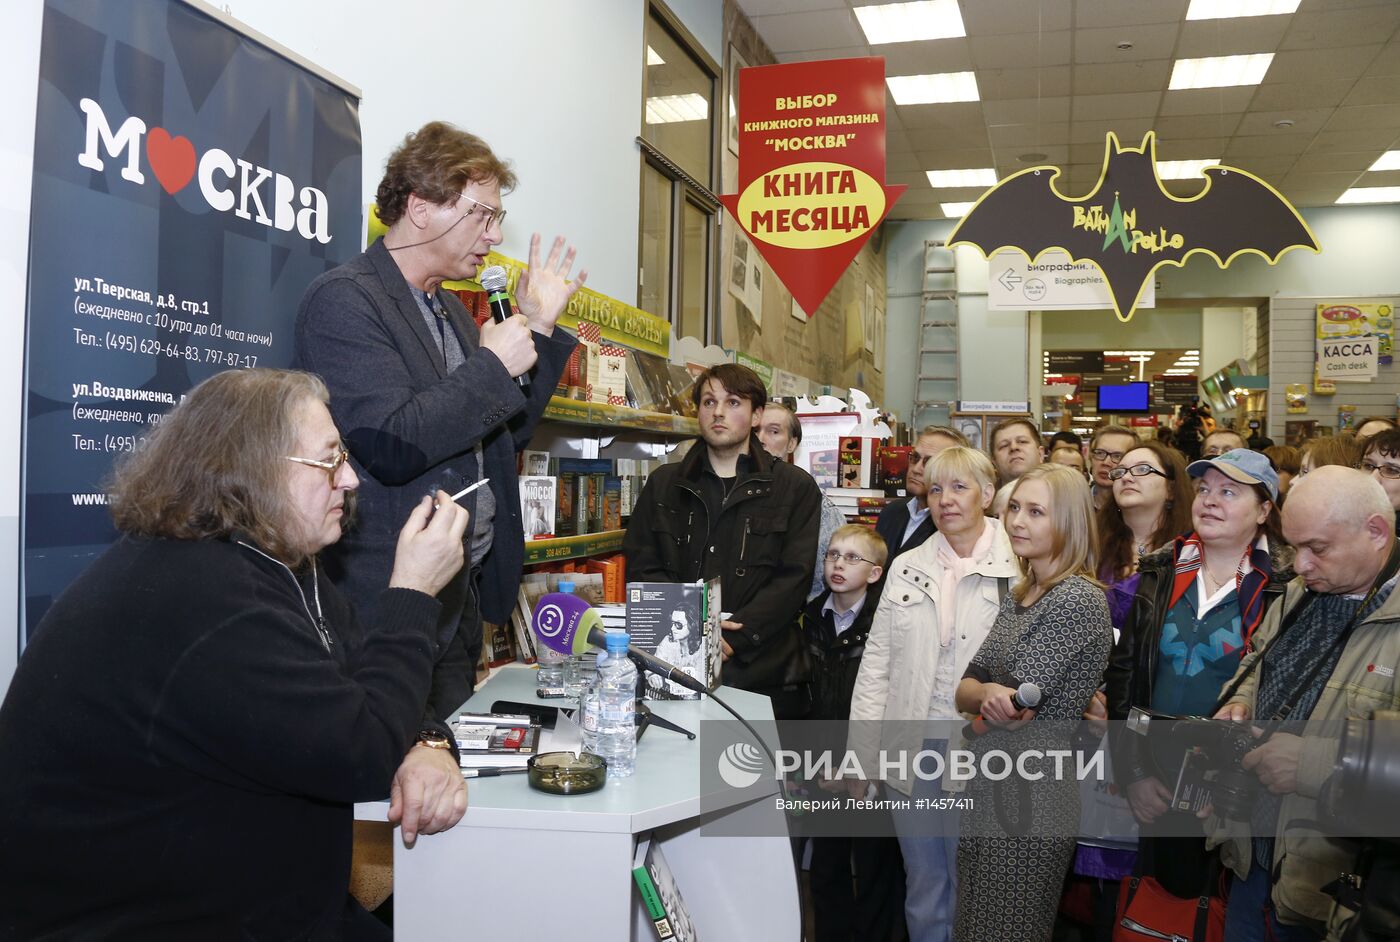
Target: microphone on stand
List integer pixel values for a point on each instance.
(494, 280)
(569, 625)
(1026, 697)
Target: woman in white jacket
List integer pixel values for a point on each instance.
(938, 604)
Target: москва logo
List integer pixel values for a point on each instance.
(172, 160)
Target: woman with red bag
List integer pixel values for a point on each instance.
(1198, 602)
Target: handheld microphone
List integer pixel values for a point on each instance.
(494, 280)
(1026, 697)
(569, 625)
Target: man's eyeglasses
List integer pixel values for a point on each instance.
(1390, 472)
(331, 467)
(499, 215)
(1099, 454)
(1137, 471)
(851, 558)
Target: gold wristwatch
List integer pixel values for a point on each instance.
(433, 739)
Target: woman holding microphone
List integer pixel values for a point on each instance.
(1052, 631)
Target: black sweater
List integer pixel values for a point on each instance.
(181, 751)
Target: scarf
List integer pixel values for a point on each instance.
(952, 569)
(1251, 576)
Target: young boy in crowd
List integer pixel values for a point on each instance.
(834, 626)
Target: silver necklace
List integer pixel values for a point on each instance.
(319, 620)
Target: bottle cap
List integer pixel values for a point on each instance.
(618, 640)
(566, 585)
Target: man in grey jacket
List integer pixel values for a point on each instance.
(425, 398)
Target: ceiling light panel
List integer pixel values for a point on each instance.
(1371, 194)
(948, 179)
(1390, 160)
(956, 210)
(1183, 169)
(654, 57)
(1220, 71)
(933, 89)
(1227, 9)
(671, 109)
(910, 22)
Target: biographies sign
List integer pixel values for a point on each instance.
(812, 168)
(189, 182)
(1129, 225)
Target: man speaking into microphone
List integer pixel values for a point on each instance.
(424, 398)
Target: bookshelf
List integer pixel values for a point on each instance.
(561, 548)
(601, 415)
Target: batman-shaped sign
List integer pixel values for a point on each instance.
(1128, 226)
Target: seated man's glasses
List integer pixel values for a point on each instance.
(330, 467)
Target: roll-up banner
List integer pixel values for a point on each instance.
(190, 180)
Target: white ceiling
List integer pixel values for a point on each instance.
(1053, 81)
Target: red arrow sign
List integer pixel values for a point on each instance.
(812, 168)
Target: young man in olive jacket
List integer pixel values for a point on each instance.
(730, 509)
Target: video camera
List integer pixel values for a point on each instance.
(1364, 789)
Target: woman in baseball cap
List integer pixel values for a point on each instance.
(1198, 602)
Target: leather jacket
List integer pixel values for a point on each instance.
(1132, 666)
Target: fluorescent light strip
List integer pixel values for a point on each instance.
(957, 178)
(1220, 71)
(910, 22)
(1184, 169)
(671, 109)
(933, 89)
(956, 210)
(654, 58)
(1371, 194)
(1228, 9)
(1390, 160)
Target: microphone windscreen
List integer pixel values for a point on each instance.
(493, 278)
(563, 621)
(1029, 695)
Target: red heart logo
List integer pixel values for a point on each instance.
(172, 159)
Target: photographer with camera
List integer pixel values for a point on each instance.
(1314, 661)
(1198, 601)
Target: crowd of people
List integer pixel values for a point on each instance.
(247, 666)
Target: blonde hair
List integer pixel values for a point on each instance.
(872, 545)
(960, 461)
(1072, 517)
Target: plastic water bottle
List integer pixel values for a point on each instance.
(549, 680)
(574, 679)
(617, 708)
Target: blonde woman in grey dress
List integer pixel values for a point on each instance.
(1053, 630)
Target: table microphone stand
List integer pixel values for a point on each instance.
(644, 717)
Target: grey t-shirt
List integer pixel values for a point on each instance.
(450, 346)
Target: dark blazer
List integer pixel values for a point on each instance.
(893, 519)
(411, 426)
(764, 538)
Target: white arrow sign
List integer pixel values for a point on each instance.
(1053, 283)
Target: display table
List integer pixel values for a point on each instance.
(524, 864)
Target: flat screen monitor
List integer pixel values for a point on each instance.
(1125, 397)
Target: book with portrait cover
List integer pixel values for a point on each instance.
(679, 623)
(538, 505)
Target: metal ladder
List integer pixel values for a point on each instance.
(937, 383)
